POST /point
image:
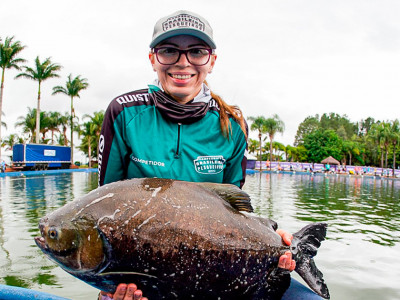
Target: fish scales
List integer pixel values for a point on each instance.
(174, 239)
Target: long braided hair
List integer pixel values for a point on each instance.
(226, 110)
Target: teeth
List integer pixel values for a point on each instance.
(181, 76)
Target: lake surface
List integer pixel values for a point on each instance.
(359, 258)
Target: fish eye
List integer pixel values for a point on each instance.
(52, 233)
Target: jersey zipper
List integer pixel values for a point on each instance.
(179, 141)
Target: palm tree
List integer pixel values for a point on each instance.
(87, 130)
(272, 126)
(350, 147)
(11, 140)
(258, 125)
(28, 123)
(97, 121)
(72, 89)
(253, 146)
(8, 60)
(3, 124)
(63, 123)
(377, 136)
(395, 138)
(54, 118)
(279, 147)
(40, 73)
(291, 153)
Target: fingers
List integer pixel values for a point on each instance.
(137, 295)
(286, 236)
(286, 261)
(128, 292)
(120, 292)
(131, 291)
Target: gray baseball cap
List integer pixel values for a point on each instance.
(183, 22)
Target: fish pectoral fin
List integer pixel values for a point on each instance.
(232, 194)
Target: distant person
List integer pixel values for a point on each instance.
(3, 166)
(327, 167)
(177, 128)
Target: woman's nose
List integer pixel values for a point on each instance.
(183, 60)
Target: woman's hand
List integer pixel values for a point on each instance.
(286, 261)
(123, 292)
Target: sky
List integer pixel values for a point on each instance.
(291, 58)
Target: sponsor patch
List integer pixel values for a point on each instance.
(209, 164)
(183, 20)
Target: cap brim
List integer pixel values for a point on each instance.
(183, 31)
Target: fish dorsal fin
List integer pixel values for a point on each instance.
(237, 198)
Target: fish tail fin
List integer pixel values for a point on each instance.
(304, 247)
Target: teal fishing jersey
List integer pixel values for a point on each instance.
(146, 133)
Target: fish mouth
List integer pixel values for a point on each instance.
(41, 243)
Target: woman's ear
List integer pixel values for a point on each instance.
(151, 58)
(213, 59)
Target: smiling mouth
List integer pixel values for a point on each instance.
(181, 77)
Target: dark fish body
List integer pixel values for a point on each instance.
(176, 240)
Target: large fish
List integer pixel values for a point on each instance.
(177, 240)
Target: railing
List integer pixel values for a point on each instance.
(318, 167)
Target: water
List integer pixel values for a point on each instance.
(359, 258)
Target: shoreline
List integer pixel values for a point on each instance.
(46, 172)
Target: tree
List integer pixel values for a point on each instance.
(365, 125)
(395, 139)
(9, 51)
(3, 124)
(28, 123)
(87, 131)
(91, 133)
(253, 146)
(323, 143)
(278, 147)
(272, 126)
(309, 125)
(11, 140)
(72, 89)
(40, 72)
(290, 152)
(350, 148)
(54, 119)
(258, 125)
(340, 124)
(97, 121)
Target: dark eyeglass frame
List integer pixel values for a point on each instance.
(180, 51)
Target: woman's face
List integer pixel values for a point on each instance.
(182, 80)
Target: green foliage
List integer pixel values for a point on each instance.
(90, 133)
(253, 146)
(340, 124)
(72, 89)
(321, 144)
(308, 126)
(9, 51)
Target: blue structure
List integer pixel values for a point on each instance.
(297, 291)
(40, 156)
(8, 292)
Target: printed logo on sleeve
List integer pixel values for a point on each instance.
(209, 164)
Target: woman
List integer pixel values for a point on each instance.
(177, 128)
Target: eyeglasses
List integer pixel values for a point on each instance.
(195, 56)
